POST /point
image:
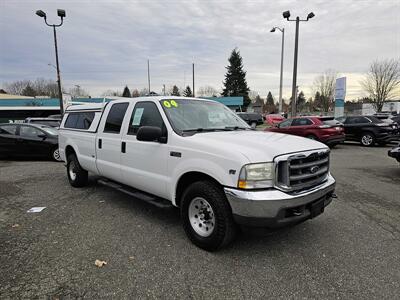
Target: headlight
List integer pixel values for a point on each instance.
(256, 176)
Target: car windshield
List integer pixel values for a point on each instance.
(49, 130)
(199, 115)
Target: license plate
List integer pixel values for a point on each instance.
(317, 208)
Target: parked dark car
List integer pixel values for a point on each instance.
(34, 140)
(253, 119)
(368, 130)
(324, 129)
(52, 122)
(395, 152)
(396, 119)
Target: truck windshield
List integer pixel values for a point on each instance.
(200, 116)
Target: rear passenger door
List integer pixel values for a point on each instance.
(108, 141)
(301, 126)
(145, 163)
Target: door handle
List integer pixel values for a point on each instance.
(100, 143)
(123, 147)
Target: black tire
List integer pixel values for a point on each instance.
(367, 139)
(332, 145)
(224, 229)
(253, 124)
(312, 137)
(55, 155)
(77, 176)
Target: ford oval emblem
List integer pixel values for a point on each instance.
(314, 169)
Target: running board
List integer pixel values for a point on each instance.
(154, 200)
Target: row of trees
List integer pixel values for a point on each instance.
(41, 87)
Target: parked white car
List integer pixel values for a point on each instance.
(199, 156)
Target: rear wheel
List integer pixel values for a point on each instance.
(207, 216)
(253, 124)
(77, 176)
(367, 139)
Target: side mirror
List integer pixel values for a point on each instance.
(150, 134)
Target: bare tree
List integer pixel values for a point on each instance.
(135, 93)
(325, 85)
(111, 93)
(17, 87)
(382, 82)
(207, 91)
(78, 92)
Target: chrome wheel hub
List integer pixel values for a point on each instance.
(366, 140)
(201, 217)
(71, 171)
(56, 155)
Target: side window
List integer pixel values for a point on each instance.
(115, 118)
(81, 120)
(8, 129)
(301, 122)
(71, 121)
(358, 120)
(144, 114)
(29, 132)
(285, 124)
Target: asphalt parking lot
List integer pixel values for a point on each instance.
(350, 251)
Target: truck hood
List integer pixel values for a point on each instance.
(256, 146)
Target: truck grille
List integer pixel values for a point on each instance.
(302, 170)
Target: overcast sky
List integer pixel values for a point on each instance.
(105, 44)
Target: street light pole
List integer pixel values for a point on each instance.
(281, 76)
(286, 15)
(294, 83)
(61, 14)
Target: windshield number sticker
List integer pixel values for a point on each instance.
(169, 104)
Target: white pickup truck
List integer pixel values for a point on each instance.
(197, 155)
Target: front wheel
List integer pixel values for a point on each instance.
(367, 139)
(207, 216)
(55, 154)
(77, 176)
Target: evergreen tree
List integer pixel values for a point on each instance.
(317, 101)
(187, 92)
(235, 83)
(270, 99)
(28, 91)
(126, 93)
(301, 101)
(175, 91)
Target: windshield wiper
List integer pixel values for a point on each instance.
(200, 129)
(237, 128)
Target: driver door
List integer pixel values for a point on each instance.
(144, 164)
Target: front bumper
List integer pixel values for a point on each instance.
(335, 139)
(275, 208)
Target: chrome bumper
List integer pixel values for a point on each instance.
(272, 208)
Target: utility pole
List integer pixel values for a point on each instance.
(164, 89)
(281, 76)
(148, 74)
(61, 14)
(286, 15)
(296, 50)
(193, 79)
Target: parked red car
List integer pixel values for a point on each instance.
(273, 119)
(323, 129)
